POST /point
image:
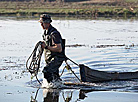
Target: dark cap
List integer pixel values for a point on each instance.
(45, 18)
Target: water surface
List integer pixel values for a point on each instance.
(107, 45)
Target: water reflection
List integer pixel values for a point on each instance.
(79, 94)
(61, 95)
(51, 95)
(68, 96)
(82, 94)
(34, 99)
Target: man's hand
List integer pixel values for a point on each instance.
(43, 45)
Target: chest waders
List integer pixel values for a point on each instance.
(53, 59)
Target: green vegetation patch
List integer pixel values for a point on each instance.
(53, 8)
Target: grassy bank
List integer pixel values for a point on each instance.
(108, 8)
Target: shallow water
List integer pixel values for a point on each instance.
(108, 45)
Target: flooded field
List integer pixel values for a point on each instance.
(106, 45)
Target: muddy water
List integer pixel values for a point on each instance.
(106, 45)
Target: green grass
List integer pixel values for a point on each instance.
(131, 1)
(37, 8)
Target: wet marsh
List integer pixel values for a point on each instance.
(106, 45)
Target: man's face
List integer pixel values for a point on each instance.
(45, 25)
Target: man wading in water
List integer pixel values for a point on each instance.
(53, 49)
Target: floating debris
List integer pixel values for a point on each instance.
(9, 93)
(75, 45)
(3, 69)
(104, 46)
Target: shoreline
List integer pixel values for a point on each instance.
(78, 9)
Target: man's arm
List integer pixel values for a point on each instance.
(55, 48)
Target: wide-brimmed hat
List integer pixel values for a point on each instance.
(45, 18)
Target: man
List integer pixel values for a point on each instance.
(53, 47)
